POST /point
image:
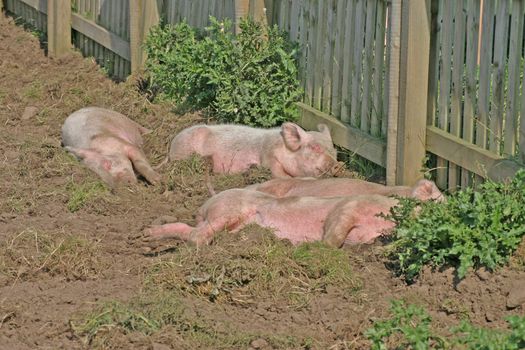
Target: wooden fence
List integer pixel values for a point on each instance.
(449, 81)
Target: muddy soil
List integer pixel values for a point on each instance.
(69, 247)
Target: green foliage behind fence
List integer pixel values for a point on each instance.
(250, 78)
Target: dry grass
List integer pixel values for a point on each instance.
(253, 265)
(30, 253)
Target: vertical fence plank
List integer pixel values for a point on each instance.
(357, 62)
(338, 58)
(378, 76)
(498, 77)
(295, 18)
(367, 64)
(444, 85)
(387, 96)
(143, 15)
(347, 64)
(485, 62)
(328, 56)
(58, 27)
(312, 45)
(515, 54)
(413, 91)
(319, 53)
(434, 61)
(469, 111)
(457, 84)
(303, 42)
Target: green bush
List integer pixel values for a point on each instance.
(409, 328)
(472, 229)
(250, 78)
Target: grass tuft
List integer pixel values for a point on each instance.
(30, 252)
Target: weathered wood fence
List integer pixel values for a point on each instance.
(447, 82)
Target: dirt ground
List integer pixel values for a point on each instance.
(71, 259)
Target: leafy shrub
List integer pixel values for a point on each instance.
(249, 79)
(472, 229)
(409, 328)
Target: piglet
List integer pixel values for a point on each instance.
(108, 143)
(331, 187)
(288, 151)
(335, 220)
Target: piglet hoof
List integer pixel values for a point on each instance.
(152, 241)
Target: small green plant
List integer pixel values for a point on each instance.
(487, 339)
(81, 194)
(409, 328)
(472, 229)
(409, 324)
(249, 79)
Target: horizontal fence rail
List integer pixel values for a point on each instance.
(475, 65)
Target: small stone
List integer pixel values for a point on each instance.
(516, 296)
(489, 316)
(483, 274)
(29, 113)
(259, 343)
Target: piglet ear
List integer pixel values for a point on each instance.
(323, 129)
(293, 136)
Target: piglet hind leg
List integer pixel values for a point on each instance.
(200, 235)
(339, 224)
(141, 165)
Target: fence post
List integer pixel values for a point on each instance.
(143, 15)
(413, 89)
(241, 11)
(58, 27)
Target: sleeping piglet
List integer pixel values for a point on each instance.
(288, 151)
(331, 187)
(335, 220)
(108, 143)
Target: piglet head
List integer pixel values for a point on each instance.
(427, 190)
(309, 153)
(120, 169)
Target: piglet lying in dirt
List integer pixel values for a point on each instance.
(288, 151)
(335, 220)
(108, 143)
(331, 187)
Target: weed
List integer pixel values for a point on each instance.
(33, 91)
(410, 323)
(249, 79)
(472, 229)
(80, 194)
(409, 327)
